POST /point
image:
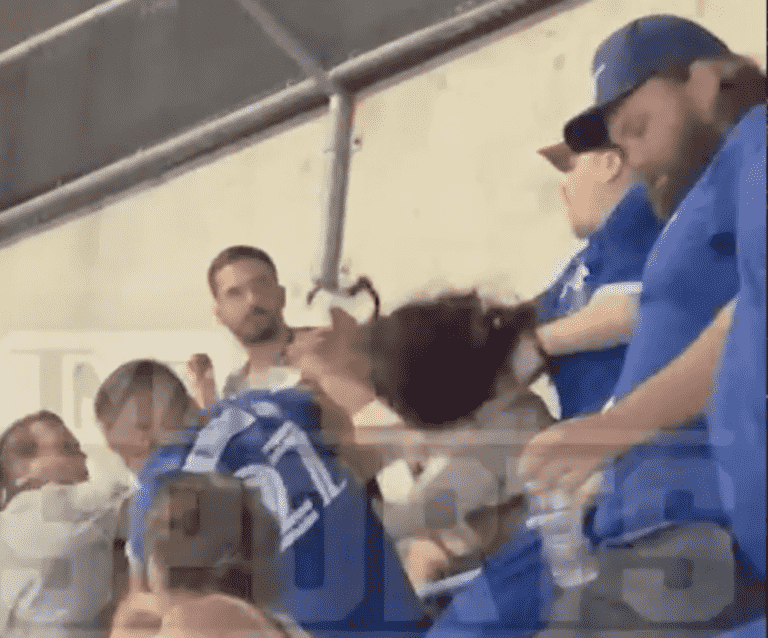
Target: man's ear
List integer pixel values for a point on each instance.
(608, 164)
(614, 164)
(703, 86)
(282, 294)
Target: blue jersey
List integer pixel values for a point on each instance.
(343, 574)
(510, 598)
(613, 259)
(690, 275)
(737, 417)
(755, 629)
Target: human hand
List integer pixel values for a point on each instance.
(425, 561)
(333, 360)
(568, 456)
(528, 359)
(333, 350)
(200, 368)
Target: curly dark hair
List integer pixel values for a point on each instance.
(24, 422)
(437, 362)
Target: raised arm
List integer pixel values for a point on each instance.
(569, 453)
(607, 321)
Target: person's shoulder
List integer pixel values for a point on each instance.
(235, 381)
(746, 138)
(752, 127)
(632, 221)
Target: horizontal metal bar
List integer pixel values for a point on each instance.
(150, 163)
(366, 70)
(26, 47)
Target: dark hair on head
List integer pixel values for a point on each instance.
(132, 377)
(438, 362)
(678, 73)
(24, 422)
(233, 254)
(240, 553)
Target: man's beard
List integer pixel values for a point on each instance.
(264, 335)
(670, 182)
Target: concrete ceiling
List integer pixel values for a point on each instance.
(155, 68)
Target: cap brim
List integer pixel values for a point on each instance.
(587, 132)
(559, 155)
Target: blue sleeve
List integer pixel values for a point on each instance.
(511, 598)
(737, 414)
(552, 299)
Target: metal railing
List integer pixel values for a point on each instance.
(335, 87)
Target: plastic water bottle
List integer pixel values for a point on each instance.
(566, 549)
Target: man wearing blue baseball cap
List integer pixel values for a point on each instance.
(690, 118)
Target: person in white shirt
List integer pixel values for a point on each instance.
(57, 530)
(249, 302)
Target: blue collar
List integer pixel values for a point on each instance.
(624, 227)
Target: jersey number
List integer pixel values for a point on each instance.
(294, 522)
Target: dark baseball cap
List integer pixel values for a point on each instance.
(631, 56)
(559, 155)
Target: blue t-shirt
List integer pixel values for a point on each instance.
(343, 576)
(652, 486)
(755, 629)
(690, 275)
(510, 598)
(737, 417)
(615, 255)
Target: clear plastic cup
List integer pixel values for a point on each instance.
(566, 549)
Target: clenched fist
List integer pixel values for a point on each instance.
(331, 360)
(200, 368)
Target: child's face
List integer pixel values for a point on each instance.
(147, 420)
(43, 452)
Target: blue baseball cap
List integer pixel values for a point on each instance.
(631, 56)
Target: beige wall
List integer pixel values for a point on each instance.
(446, 189)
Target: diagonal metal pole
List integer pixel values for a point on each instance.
(338, 147)
(289, 45)
(91, 191)
(67, 27)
